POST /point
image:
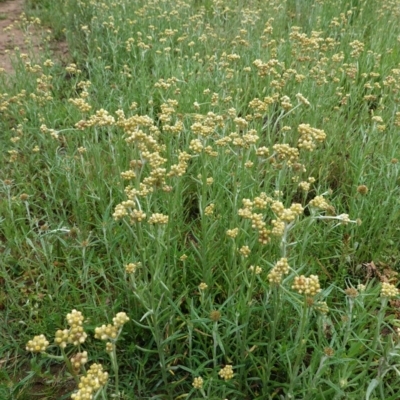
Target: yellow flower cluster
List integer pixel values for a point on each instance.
(75, 334)
(245, 251)
(196, 146)
(198, 382)
(226, 373)
(232, 232)
(132, 267)
(180, 168)
(357, 48)
(320, 202)
(286, 153)
(91, 383)
(38, 344)
(308, 137)
(285, 103)
(280, 269)
(203, 286)
(157, 218)
(255, 269)
(389, 290)
(79, 360)
(128, 175)
(286, 215)
(322, 307)
(106, 332)
(309, 286)
(111, 332)
(302, 99)
(305, 185)
(209, 210)
(120, 319)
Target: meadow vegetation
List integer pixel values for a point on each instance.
(203, 203)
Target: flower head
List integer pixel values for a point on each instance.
(309, 286)
(120, 319)
(198, 382)
(38, 344)
(389, 290)
(226, 373)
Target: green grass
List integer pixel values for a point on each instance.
(189, 98)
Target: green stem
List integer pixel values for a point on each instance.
(300, 343)
(273, 324)
(114, 364)
(215, 343)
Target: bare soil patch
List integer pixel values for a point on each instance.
(13, 37)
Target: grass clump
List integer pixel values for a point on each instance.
(219, 179)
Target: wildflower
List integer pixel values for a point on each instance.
(262, 151)
(136, 215)
(344, 218)
(309, 286)
(319, 202)
(226, 373)
(361, 287)
(203, 286)
(196, 146)
(76, 335)
(280, 268)
(209, 210)
(351, 292)
(91, 383)
(79, 360)
(61, 338)
(75, 318)
(362, 189)
(38, 344)
(215, 315)
(232, 232)
(132, 267)
(245, 251)
(389, 290)
(322, 307)
(198, 383)
(109, 347)
(120, 319)
(329, 352)
(106, 332)
(278, 227)
(304, 186)
(256, 269)
(302, 99)
(158, 219)
(128, 175)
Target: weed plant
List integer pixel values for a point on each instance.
(208, 192)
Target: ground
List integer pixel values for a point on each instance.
(14, 37)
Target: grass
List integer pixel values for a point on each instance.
(227, 175)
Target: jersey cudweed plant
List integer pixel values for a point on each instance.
(204, 166)
(92, 382)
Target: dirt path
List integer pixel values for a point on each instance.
(12, 37)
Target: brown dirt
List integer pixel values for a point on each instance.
(12, 37)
